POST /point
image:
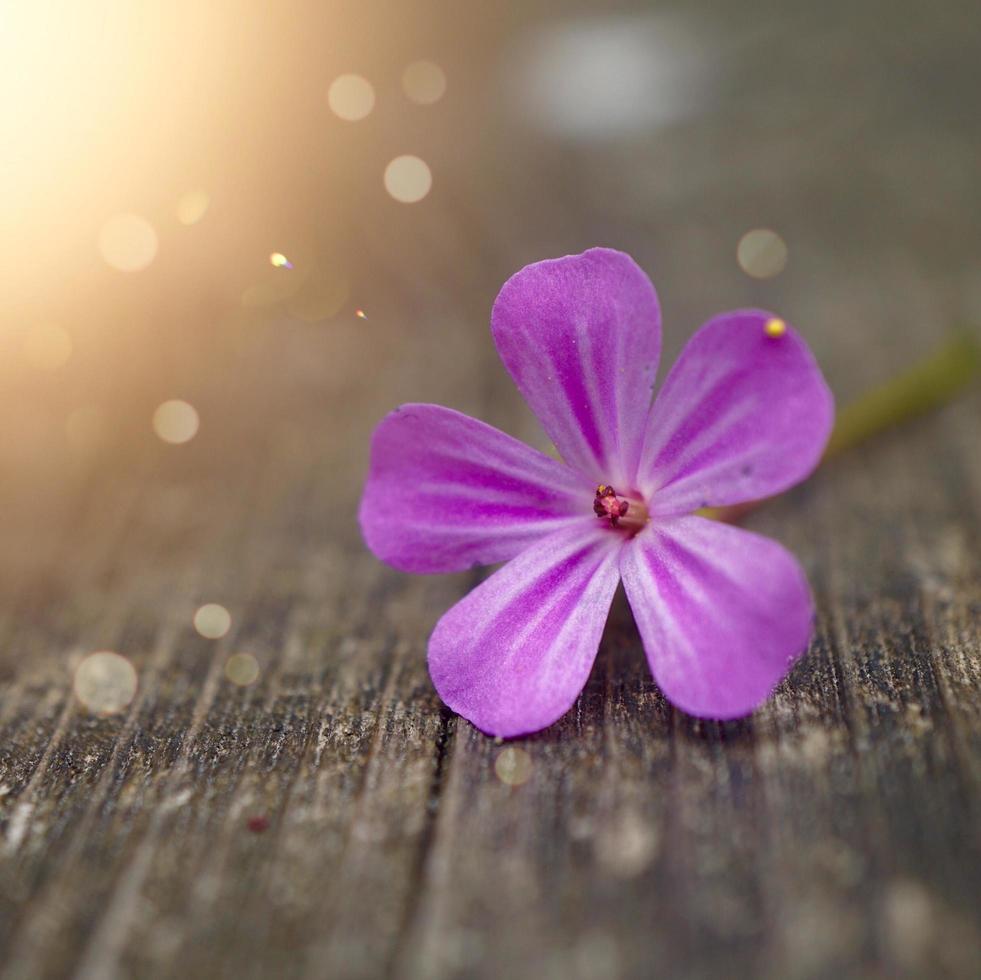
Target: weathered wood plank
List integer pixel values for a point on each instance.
(837, 830)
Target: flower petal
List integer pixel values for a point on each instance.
(513, 655)
(446, 492)
(723, 613)
(742, 415)
(581, 337)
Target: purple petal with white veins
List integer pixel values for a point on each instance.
(723, 613)
(513, 655)
(446, 492)
(581, 337)
(742, 415)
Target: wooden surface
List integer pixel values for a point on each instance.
(333, 819)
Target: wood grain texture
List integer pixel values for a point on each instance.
(333, 819)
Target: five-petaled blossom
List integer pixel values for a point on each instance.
(743, 414)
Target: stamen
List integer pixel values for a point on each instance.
(608, 505)
(775, 327)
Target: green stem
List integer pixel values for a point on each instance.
(929, 384)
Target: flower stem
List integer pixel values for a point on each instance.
(927, 385)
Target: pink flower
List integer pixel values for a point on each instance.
(743, 414)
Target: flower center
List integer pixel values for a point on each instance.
(630, 515)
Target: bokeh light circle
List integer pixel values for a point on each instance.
(128, 242)
(212, 621)
(322, 297)
(424, 82)
(242, 669)
(105, 682)
(351, 97)
(513, 766)
(192, 206)
(176, 421)
(408, 179)
(761, 253)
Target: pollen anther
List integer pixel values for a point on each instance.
(607, 504)
(775, 327)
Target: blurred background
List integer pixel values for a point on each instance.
(244, 228)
